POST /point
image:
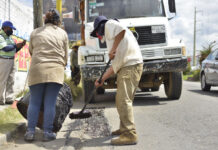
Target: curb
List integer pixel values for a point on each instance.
(4, 138)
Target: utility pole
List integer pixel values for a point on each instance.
(9, 10)
(37, 13)
(194, 41)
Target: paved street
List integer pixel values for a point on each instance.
(188, 124)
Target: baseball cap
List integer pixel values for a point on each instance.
(8, 24)
(97, 22)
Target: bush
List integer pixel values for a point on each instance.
(196, 75)
(188, 69)
(76, 90)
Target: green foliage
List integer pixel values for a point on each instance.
(22, 93)
(76, 90)
(206, 51)
(188, 69)
(196, 75)
(192, 76)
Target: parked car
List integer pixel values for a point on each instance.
(209, 71)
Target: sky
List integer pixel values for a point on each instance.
(182, 26)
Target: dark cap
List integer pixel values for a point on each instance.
(97, 22)
(8, 24)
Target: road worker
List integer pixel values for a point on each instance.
(127, 63)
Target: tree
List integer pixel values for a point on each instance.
(206, 50)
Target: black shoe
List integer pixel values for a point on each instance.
(29, 136)
(49, 136)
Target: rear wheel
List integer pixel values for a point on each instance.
(204, 85)
(173, 85)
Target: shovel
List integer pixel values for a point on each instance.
(82, 114)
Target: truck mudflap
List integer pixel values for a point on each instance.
(92, 72)
(165, 65)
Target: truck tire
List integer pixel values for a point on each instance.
(173, 85)
(154, 89)
(145, 89)
(204, 85)
(88, 88)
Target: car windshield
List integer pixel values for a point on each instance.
(124, 8)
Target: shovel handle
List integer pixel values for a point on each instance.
(99, 80)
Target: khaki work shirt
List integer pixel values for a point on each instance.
(128, 52)
(48, 47)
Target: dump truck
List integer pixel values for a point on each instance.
(164, 58)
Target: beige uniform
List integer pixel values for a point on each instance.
(48, 47)
(127, 64)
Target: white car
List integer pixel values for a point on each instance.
(209, 71)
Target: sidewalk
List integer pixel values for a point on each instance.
(20, 78)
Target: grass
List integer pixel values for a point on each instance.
(22, 93)
(76, 90)
(9, 118)
(185, 77)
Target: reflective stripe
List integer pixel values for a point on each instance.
(8, 54)
(4, 41)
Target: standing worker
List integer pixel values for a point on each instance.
(75, 70)
(48, 47)
(8, 49)
(127, 63)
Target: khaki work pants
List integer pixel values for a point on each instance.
(7, 72)
(127, 82)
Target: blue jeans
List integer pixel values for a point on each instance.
(42, 93)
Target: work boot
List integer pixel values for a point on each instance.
(116, 132)
(49, 136)
(127, 138)
(29, 136)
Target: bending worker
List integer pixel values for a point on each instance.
(127, 63)
(8, 49)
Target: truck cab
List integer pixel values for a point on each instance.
(163, 58)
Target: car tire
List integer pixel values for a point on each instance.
(204, 85)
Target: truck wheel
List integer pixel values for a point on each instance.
(204, 85)
(145, 89)
(88, 88)
(173, 85)
(100, 90)
(155, 89)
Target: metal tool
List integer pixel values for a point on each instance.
(84, 113)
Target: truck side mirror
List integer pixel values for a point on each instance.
(172, 6)
(76, 17)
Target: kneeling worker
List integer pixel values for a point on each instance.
(127, 63)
